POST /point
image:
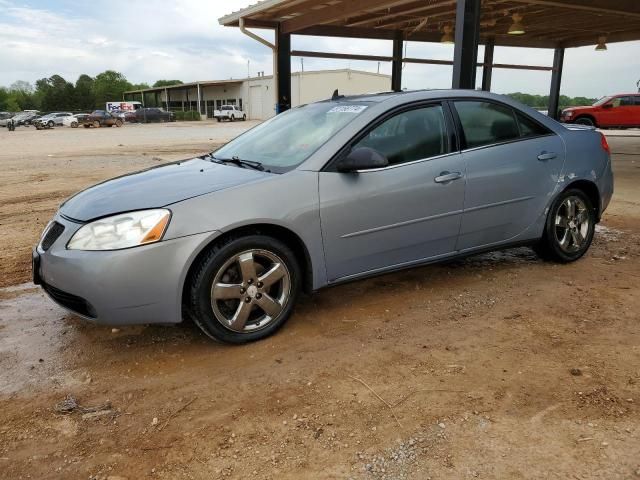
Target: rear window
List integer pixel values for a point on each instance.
(486, 123)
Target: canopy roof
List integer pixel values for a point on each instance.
(547, 23)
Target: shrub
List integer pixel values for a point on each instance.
(188, 116)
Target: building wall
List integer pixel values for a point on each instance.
(256, 96)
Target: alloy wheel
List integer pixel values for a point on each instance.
(572, 224)
(250, 290)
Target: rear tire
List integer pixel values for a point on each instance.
(86, 125)
(569, 228)
(74, 124)
(232, 283)
(118, 123)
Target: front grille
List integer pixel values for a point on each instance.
(53, 232)
(72, 302)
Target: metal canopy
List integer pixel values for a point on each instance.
(548, 23)
(556, 24)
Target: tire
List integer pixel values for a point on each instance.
(86, 125)
(74, 124)
(219, 119)
(242, 304)
(49, 124)
(586, 121)
(118, 123)
(232, 118)
(96, 124)
(568, 243)
(244, 118)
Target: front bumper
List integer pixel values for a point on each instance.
(138, 285)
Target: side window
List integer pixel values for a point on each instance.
(626, 101)
(636, 101)
(529, 128)
(616, 102)
(409, 136)
(484, 123)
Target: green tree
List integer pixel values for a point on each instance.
(167, 83)
(55, 93)
(109, 86)
(139, 86)
(84, 96)
(21, 95)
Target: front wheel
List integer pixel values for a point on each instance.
(96, 124)
(74, 124)
(244, 118)
(118, 123)
(586, 121)
(244, 289)
(569, 228)
(232, 118)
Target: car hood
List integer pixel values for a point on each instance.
(576, 109)
(156, 187)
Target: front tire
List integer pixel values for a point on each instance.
(569, 228)
(244, 289)
(96, 124)
(586, 121)
(118, 123)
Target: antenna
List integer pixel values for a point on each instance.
(335, 95)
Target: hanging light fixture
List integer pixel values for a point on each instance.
(602, 44)
(516, 27)
(448, 34)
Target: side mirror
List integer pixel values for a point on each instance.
(608, 105)
(362, 158)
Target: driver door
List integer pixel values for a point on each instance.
(404, 213)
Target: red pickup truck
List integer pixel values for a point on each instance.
(613, 111)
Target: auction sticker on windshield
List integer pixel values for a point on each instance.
(348, 109)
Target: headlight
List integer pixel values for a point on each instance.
(568, 114)
(122, 231)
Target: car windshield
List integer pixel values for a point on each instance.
(602, 101)
(288, 139)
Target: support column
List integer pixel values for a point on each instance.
(556, 82)
(167, 99)
(283, 87)
(396, 63)
(467, 37)
(142, 97)
(487, 69)
(199, 100)
(156, 102)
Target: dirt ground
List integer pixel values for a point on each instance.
(499, 366)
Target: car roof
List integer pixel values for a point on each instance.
(416, 95)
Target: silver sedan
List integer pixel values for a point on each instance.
(322, 194)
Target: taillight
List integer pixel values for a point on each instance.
(604, 143)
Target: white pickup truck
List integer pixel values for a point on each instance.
(229, 112)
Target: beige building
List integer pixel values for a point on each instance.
(256, 95)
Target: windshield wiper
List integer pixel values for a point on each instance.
(239, 162)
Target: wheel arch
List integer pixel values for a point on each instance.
(285, 235)
(591, 190)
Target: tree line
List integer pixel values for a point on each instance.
(542, 101)
(87, 93)
(57, 94)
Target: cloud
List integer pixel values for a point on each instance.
(157, 39)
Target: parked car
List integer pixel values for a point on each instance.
(4, 117)
(102, 118)
(51, 120)
(25, 117)
(319, 195)
(74, 121)
(230, 113)
(151, 114)
(613, 111)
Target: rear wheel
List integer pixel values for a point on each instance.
(569, 228)
(118, 123)
(86, 125)
(74, 124)
(244, 289)
(244, 117)
(232, 118)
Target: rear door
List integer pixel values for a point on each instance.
(404, 213)
(512, 164)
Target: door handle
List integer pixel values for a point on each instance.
(446, 177)
(547, 156)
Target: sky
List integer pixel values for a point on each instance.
(181, 39)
